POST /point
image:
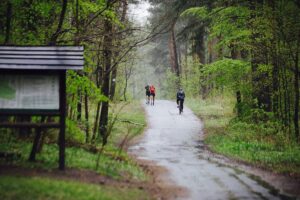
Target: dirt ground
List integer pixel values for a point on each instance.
(156, 186)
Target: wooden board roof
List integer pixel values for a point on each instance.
(41, 57)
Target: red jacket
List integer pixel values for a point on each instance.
(152, 89)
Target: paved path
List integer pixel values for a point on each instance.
(174, 141)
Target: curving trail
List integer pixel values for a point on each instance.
(174, 142)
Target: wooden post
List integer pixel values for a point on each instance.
(62, 108)
(36, 141)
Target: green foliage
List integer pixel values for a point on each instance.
(256, 115)
(229, 73)
(73, 132)
(77, 83)
(191, 78)
(131, 113)
(198, 12)
(169, 87)
(259, 144)
(80, 84)
(231, 24)
(45, 188)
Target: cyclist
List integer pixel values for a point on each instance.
(152, 93)
(147, 88)
(180, 97)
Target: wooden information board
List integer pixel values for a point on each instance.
(33, 83)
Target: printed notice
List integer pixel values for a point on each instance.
(29, 92)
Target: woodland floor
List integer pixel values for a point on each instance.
(155, 186)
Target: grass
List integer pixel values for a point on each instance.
(261, 144)
(130, 113)
(45, 188)
(80, 158)
(113, 163)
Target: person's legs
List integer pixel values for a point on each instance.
(182, 101)
(153, 95)
(147, 97)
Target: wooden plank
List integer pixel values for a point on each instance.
(29, 124)
(43, 57)
(22, 112)
(42, 67)
(40, 62)
(62, 106)
(74, 53)
(42, 48)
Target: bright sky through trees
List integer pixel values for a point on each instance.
(139, 12)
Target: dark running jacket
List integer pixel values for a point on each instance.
(180, 95)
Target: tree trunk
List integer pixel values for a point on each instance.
(235, 55)
(125, 89)
(99, 76)
(79, 106)
(275, 84)
(76, 43)
(173, 51)
(238, 103)
(199, 46)
(107, 55)
(296, 91)
(8, 22)
(36, 142)
(87, 125)
(96, 122)
(54, 37)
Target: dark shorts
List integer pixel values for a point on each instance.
(148, 94)
(153, 94)
(180, 100)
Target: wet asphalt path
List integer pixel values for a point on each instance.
(174, 142)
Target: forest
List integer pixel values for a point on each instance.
(237, 61)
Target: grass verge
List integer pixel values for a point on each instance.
(45, 188)
(261, 144)
(113, 163)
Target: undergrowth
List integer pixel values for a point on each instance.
(263, 143)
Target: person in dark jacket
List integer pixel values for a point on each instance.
(147, 88)
(180, 96)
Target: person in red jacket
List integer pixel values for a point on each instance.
(152, 94)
